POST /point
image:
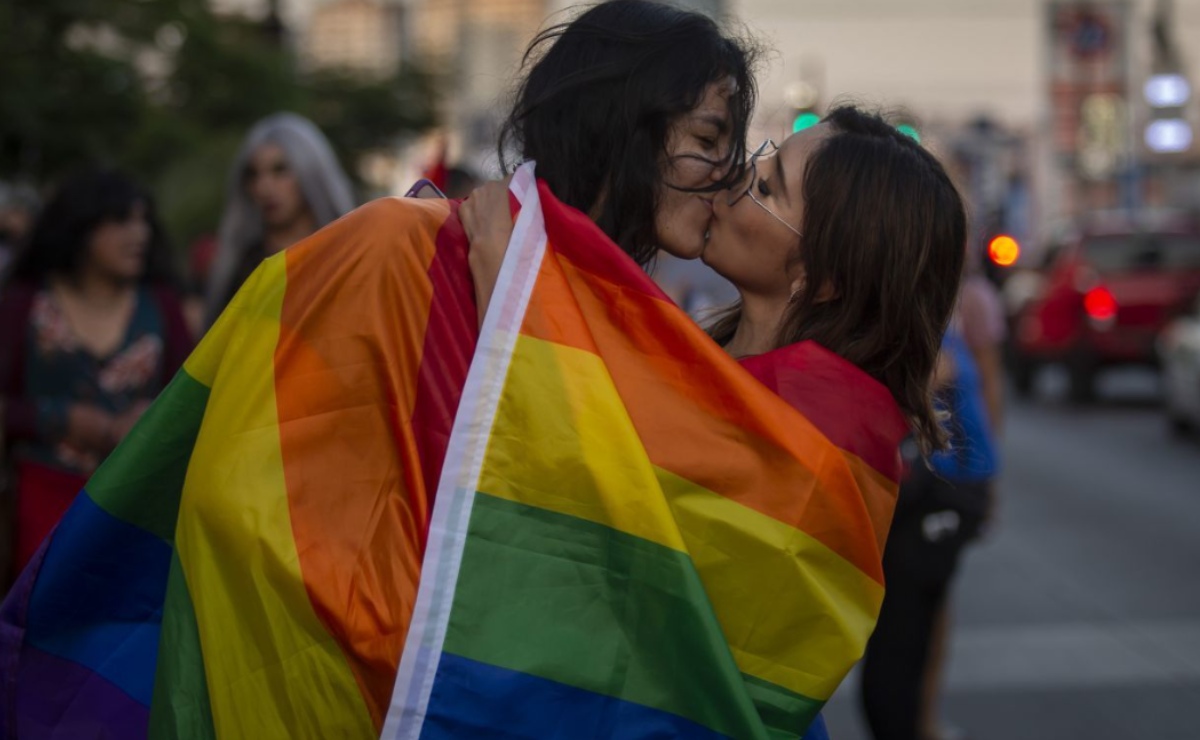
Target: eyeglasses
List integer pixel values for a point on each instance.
(424, 188)
(766, 149)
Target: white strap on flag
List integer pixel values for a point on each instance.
(464, 460)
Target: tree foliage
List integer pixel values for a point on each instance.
(166, 90)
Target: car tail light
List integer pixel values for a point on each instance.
(1100, 304)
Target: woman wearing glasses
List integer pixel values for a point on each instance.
(850, 237)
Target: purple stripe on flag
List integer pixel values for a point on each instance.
(57, 699)
(12, 637)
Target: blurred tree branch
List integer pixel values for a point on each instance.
(166, 89)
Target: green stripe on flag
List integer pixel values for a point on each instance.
(180, 708)
(142, 480)
(784, 712)
(591, 607)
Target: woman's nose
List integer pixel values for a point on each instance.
(719, 171)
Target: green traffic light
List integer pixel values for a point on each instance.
(909, 131)
(805, 120)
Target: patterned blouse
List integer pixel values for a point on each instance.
(58, 372)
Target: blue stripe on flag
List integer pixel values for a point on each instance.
(472, 699)
(99, 596)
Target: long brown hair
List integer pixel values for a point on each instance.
(885, 229)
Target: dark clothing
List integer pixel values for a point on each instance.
(941, 508)
(45, 370)
(935, 519)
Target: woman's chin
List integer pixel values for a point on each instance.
(710, 252)
(690, 251)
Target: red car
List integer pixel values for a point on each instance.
(1105, 298)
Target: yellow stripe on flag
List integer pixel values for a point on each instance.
(272, 669)
(590, 464)
(803, 637)
(588, 461)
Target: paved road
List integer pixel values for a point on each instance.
(1080, 617)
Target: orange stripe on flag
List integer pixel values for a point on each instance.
(721, 439)
(357, 499)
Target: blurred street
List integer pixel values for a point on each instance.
(1080, 616)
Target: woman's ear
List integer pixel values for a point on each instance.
(825, 294)
(797, 288)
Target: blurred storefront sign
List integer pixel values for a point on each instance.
(1088, 85)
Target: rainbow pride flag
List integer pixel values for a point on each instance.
(346, 517)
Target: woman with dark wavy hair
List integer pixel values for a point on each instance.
(848, 236)
(92, 330)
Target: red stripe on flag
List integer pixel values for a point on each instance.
(837, 397)
(450, 339)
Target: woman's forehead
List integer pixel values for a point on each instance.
(268, 150)
(797, 148)
(715, 101)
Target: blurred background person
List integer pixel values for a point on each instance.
(944, 504)
(980, 324)
(91, 329)
(285, 184)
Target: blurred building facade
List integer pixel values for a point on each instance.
(1008, 87)
(478, 45)
(357, 35)
(475, 46)
(1024, 92)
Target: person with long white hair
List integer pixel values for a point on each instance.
(284, 185)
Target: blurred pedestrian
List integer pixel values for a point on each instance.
(943, 505)
(91, 330)
(980, 322)
(285, 184)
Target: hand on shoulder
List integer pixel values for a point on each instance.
(487, 220)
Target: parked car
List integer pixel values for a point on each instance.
(1179, 349)
(1105, 297)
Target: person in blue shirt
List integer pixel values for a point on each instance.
(943, 505)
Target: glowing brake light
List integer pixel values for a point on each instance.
(1100, 304)
(1004, 250)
